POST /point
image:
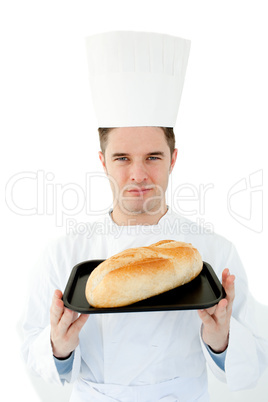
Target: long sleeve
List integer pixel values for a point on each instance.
(247, 355)
(218, 358)
(247, 352)
(36, 348)
(64, 366)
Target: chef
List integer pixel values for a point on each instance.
(136, 81)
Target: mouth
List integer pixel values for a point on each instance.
(139, 191)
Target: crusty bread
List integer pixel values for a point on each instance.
(138, 273)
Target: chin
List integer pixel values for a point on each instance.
(131, 209)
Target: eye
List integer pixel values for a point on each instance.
(153, 158)
(121, 159)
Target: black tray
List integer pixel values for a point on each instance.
(203, 292)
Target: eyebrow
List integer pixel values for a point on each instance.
(120, 154)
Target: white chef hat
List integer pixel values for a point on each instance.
(136, 78)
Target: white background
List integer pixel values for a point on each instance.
(48, 126)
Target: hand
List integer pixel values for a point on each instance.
(216, 320)
(65, 327)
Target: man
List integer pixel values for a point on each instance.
(152, 356)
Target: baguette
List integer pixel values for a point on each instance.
(139, 273)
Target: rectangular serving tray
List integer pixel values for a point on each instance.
(203, 292)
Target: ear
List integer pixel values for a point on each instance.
(173, 160)
(102, 159)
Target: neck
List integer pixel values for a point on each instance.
(123, 219)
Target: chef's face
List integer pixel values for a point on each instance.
(138, 162)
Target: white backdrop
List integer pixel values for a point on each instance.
(50, 143)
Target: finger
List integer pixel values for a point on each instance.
(79, 323)
(58, 294)
(65, 322)
(223, 303)
(75, 316)
(221, 311)
(228, 282)
(211, 310)
(205, 317)
(57, 308)
(227, 279)
(225, 274)
(230, 291)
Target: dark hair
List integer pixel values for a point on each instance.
(168, 131)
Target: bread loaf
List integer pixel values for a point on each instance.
(138, 273)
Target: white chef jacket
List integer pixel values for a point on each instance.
(150, 356)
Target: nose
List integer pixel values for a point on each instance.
(138, 172)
